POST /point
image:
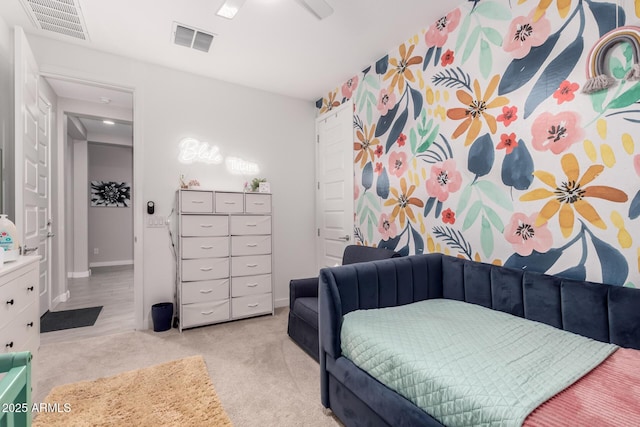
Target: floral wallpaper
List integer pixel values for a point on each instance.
(474, 138)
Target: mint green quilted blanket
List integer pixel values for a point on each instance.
(467, 365)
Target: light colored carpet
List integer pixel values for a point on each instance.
(177, 393)
(261, 377)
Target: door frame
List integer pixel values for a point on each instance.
(348, 105)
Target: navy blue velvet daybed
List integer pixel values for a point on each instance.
(610, 314)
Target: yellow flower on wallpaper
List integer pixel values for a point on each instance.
(563, 7)
(402, 200)
(400, 68)
(571, 194)
(329, 103)
(476, 108)
(364, 145)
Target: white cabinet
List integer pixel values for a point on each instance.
(225, 261)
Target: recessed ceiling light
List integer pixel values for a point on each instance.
(229, 8)
(108, 122)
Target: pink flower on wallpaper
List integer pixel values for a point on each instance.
(398, 163)
(356, 191)
(556, 132)
(349, 87)
(524, 33)
(438, 32)
(525, 237)
(386, 101)
(508, 116)
(387, 228)
(636, 164)
(443, 180)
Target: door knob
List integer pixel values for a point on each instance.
(345, 238)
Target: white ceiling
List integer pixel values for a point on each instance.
(96, 128)
(84, 92)
(273, 45)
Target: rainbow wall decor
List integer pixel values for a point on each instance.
(473, 138)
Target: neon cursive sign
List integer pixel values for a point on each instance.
(192, 150)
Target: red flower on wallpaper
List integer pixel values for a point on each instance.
(507, 142)
(378, 168)
(566, 92)
(508, 116)
(447, 58)
(449, 216)
(379, 151)
(401, 140)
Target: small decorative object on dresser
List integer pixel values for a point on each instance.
(224, 256)
(264, 187)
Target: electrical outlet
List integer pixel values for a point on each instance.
(95, 251)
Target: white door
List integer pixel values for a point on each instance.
(334, 175)
(31, 161)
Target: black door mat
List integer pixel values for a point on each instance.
(69, 319)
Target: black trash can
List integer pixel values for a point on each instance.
(161, 314)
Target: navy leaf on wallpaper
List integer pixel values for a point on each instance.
(481, 156)
(382, 185)
(397, 128)
(556, 72)
(517, 168)
(386, 121)
(367, 176)
(520, 71)
(429, 205)
(382, 65)
(418, 100)
(452, 79)
(579, 272)
(634, 209)
(540, 262)
(614, 265)
(418, 241)
(605, 14)
(391, 244)
(427, 57)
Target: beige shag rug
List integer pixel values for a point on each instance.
(177, 393)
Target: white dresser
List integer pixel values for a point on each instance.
(19, 308)
(224, 256)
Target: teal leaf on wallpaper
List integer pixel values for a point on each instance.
(520, 71)
(493, 10)
(429, 205)
(494, 218)
(429, 139)
(495, 194)
(486, 237)
(481, 156)
(418, 100)
(540, 262)
(382, 65)
(382, 185)
(634, 209)
(627, 98)
(486, 59)
(614, 265)
(413, 140)
(373, 201)
(463, 30)
(492, 35)
(427, 57)
(556, 72)
(605, 16)
(597, 100)
(418, 241)
(397, 129)
(386, 121)
(471, 43)
(464, 199)
(579, 272)
(472, 215)
(617, 69)
(367, 176)
(517, 168)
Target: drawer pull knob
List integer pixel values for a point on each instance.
(206, 313)
(258, 203)
(30, 324)
(253, 305)
(252, 224)
(206, 291)
(252, 285)
(206, 225)
(206, 268)
(252, 265)
(229, 203)
(10, 302)
(30, 288)
(252, 245)
(10, 345)
(198, 202)
(206, 247)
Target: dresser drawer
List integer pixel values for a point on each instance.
(204, 269)
(250, 245)
(196, 201)
(22, 329)
(204, 247)
(257, 203)
(250, 224)
(205, 290)
(204, 225)
(250, 285)
(204, 313)
(229, 202)
(250, 265)
(17, 294)
(251, 305)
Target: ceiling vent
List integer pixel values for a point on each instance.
(59, 16)
(192, 37)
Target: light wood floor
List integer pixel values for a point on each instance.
(111, 287)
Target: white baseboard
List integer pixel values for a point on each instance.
(78, 274)
(60, 298)
(111, 263)
(283, 302)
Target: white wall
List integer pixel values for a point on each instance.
(274, 131)
(6, 116)
(80, 209)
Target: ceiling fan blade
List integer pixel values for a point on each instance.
(320, 8)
